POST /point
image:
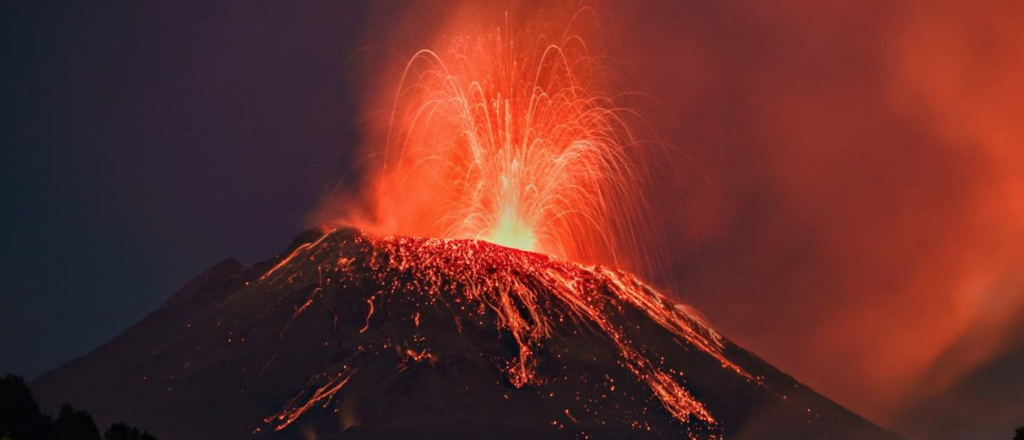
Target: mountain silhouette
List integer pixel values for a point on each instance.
(349, 335)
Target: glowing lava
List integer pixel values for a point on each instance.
(509, 137)
(529, 296)
(512, 232)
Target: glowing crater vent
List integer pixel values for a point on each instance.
(513, 232)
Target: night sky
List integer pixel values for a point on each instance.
(144, 143)
(844, 197)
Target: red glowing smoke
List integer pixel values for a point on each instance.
(854, 211)
(845, 196)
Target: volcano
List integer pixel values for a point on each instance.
(349, 335)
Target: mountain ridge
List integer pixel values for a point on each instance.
(309, 344)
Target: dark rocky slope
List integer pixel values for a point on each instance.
(345, 335)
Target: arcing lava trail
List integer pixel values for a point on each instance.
(349, 335)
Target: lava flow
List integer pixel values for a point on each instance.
(509, 137)
(525, 295)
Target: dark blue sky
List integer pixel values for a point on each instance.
(143, 143)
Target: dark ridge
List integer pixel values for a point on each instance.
(346, 335)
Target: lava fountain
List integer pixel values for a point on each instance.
(509, 137)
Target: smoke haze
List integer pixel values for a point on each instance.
(843, 195)
(849, 202)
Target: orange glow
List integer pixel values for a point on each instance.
(512, 232)
(509, 137)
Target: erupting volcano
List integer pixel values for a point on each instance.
(474, 305)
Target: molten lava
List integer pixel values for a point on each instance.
(527, 295)
(510, 138)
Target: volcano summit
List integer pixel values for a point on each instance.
(348, 335)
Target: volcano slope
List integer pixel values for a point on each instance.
(347, 335)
